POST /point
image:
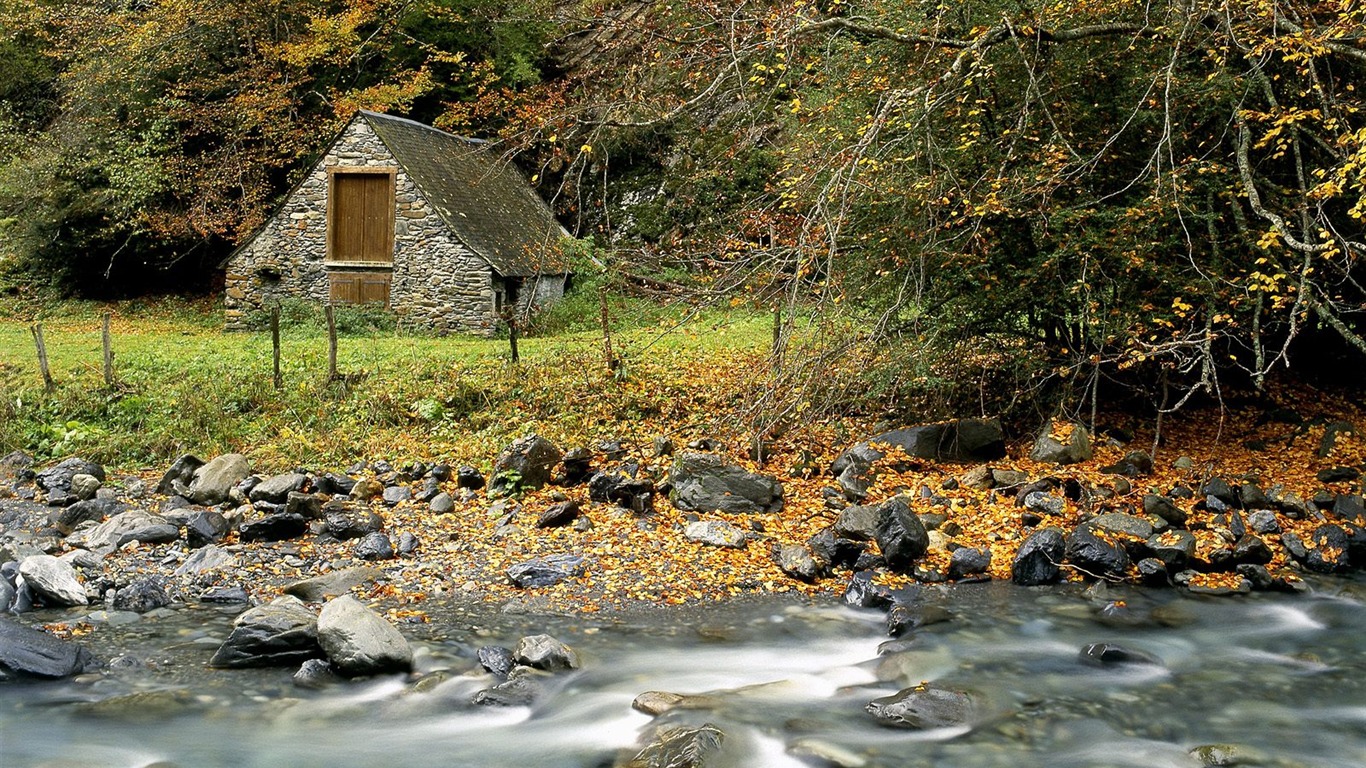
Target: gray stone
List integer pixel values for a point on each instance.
(207, 559)
(1095, 556)
(716, 533)
(309, 505)
(374, 546)
(523, 688)
(359, 641)
(525, 465)
(546, 571)
(796, 561)
(969, 561)
(1039, 559)
(1164, 508)
(53, 581)
(280, 633)
(156, 533)
(558, 515)
(442, 504)
(213, 481)
(1110, 653)
(205, 527)
(924, 707)
(545, 652)
(1051, 451)
(680, 747)
(315, 674)
(1263, 521)
(345, 521)
(143, 595)
(857, 522)
(1174, 548)
(496, 660)
(962, 440)
(704, 483)
(276, 489)
(277, 527)
(85, 486)
(181, 472)
(1045, 503)
(29, 652)
(56, 480)
(67, 519)
(1123, 525)
(397, 494)
(332, 584)
(901, 537)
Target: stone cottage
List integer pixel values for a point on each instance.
(431, 225)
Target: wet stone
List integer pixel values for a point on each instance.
(546, 571)
(680, 747)
(374, 546)
(863, 593)
(497, 660)
(923, 707)
(1039, 559)
(546, 653)
(1111, 653)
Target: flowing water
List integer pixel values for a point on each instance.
(1281, 678)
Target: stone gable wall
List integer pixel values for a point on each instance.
(437, 282)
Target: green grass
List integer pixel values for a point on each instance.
(183, 385)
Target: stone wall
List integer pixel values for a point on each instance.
(437, 283)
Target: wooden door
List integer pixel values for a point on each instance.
(360, 287)
(361, 218)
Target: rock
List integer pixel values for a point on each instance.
(1134, 464)
(906, 617)
(206, 559)
(332, 584)
(497, 660)
(523, 688)
(545, 652)
(156, 533)
(680, 747)
(1329, 550)
(662, 446)
(525, 465)
(26, 652)
(205, 527)
(1338, 475)
(213, 481)
(280, 633)
(978, 478)
(333, 484)
(442, 504)
(1122, 525)
(181, 471)
(84, 486)
(1331, 433)
(858, 522)
(276, 489)
(832, 550)
(1174, 548)
(923, 707)
(277, 527)
(1250, 549)
(397, 494)
(1164, 508)
(228, 594)
(863, 593)
(56, 480)
(346, 521)
(1045, 503)
(795, 561)
(900, 535)
(359, 641)
(143, 595)
(408, 543)
(1039, 558)
(963, 440)
(315, 674)
(1051, 451)
(67, 519)
(817, 751)
(1263, 521)
(1110, 653)
(469, 477)
(1095, 556)
(704, 483)
(374, 546)
(558, 515)
(546, 571)
(53, 581)
(367, 489)
(623, 490)
(969, 561)
(716, 533)
(575, 467)
(1152, 572)
(1219, 489)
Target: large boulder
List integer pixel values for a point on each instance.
(924, 707)
(545, 652)
(277, 489)
(213, 481)
(281, 633)
(1096, 554)
(90, 510)
(56, 480)
(52, 580)
(961, 440)
(704, 483)
(359, 641)
(26, 652)
(1039, 559)
(1050, 450)
(680, 747)
(900, 535)
(180, 474)
(716, 533)
(526, 465)
(333, 583)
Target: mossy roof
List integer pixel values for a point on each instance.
(480, 196)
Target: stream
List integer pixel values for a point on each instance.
(1274, 679)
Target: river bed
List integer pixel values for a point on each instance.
(1279, 678)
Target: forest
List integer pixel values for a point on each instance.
(1060, 204)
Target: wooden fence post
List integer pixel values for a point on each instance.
(331, 343)
(108, 350)
(510, 317)
(777, 340)
(37, 329)
(608, 358)
(275, 343)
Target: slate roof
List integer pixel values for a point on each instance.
(483, 199)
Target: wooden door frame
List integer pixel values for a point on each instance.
(357, 170)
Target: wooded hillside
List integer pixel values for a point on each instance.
(970, 201)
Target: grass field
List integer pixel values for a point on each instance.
(183, 385)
